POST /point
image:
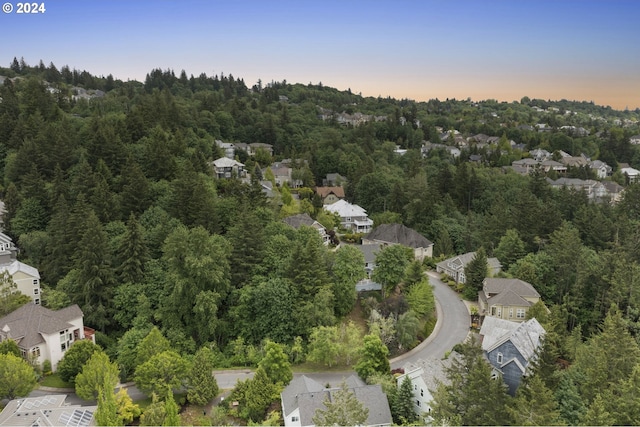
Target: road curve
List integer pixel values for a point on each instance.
(451, 328)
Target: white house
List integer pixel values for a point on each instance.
(227, 147)
(425, 375)
(631, 173)
(228, 168)
(43, 334)
(352, 217)
(26, 278)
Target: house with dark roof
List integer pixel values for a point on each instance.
(511, 347)
(43, 334)
(300, 220)
(228, 168)
(508, 299)
(330, 195)
(49, 410)
(25, 277)
(304, 396)
(399, 234)
(454, 267)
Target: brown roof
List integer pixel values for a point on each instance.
(28, 323)
(325, 191)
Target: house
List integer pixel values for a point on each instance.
(614, 191)
(283, 174)
(48, 410)
(330, 195)
(601, 169)
(228, 168)
(508, 299)
(399, 234)
(510, 347)
(594, 190)
(334, 180)
(26, 277)
(252, 149)
(575, 162)
(633, 175)
(425, 376)
(540, 154)
(428, 146)
(352, 217)
(304, 396)
(300, 220)
(552, 165)
(454, 267)
(634, 140)
(227, 148)
(369, 251)
(43, 334)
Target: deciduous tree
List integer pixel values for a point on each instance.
(98, 373)
(17, 377)
(276, 364)
(373, 358)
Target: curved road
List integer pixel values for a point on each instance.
(451, 328)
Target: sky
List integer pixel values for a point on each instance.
(585, 50)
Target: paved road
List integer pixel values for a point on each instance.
(452, 327)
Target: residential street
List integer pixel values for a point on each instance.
(452, 328)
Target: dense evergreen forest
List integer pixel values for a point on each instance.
(109, 191)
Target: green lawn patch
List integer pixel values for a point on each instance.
(54, 380)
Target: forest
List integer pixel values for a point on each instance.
(109, 191)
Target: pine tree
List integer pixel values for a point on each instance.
(475, 272)
(134, 253)
(402, 406)
(202, 384)
(534, 404)
(172, 418)
(95, 275)
(342, 409)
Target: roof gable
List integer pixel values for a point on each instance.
(493, 285)
(400, 234)
(28, 323)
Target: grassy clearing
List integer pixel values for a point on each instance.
(54, 380)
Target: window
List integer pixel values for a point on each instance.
(36, 291)
(294, 419)
(35, 282)
(36, 301)
(63, 346)
(421, 392)
(520, 313)
(415, 386)
(499, 358)
(35, 352)
(510, 312)
(499, 312)
(418, 402)
(493, 311)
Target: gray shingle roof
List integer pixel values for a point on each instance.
(400, 234)
(29, 322)
(525, 336)
(309, 395)
(499, 285)
(297, 221)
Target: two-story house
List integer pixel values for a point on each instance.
(330, 195)
(43, 334)
(228, 168)
(510, 347)
(299, 220)
(399, 234)
(25, 277)
(425, 376)
(454, 267)
(352, 217)
(508, 299)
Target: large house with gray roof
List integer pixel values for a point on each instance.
(508, 299)
(454, 267)
(304, 396)
(303, 219)
(399, 234)
(510, 347)
(43, 334)
(50, 410)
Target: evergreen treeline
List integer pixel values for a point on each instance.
(112, 197)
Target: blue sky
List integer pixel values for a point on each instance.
(583, 50)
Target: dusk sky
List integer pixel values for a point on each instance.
(577, 50)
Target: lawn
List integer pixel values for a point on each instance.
(54, 380)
